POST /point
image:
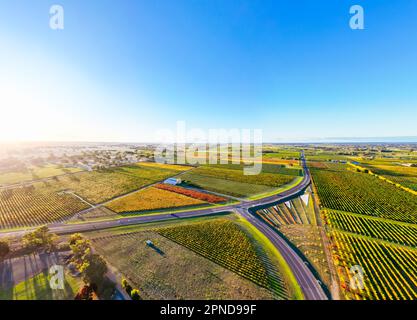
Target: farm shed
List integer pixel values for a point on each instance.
(172, 181)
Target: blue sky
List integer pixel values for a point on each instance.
(120, 70)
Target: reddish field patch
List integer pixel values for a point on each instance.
(192, 193)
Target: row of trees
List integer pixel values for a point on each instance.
(133, 293)
(91, 266)
(38, 240)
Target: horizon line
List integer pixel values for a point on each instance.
(370, 140)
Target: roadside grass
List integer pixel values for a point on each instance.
(7, 230)
(294, 288)
(307, 239)
(151, 225)
(100, 212)
(276, 191)
(147, 213)
(168, 210)
(38, 288)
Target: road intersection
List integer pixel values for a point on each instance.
(310, 286)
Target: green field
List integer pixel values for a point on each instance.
(227, 187)
(365, 194)
(401, 233)
(266, 168)
(408, 182)
(394, 170)
(38, 288)
(34, 173)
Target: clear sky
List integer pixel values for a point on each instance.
(120, 70)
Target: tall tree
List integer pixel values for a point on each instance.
(40, 238)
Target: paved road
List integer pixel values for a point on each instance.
(309, 285)
(305, 278)
(282, 196)
(91, 226)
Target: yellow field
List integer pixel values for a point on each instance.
(249, 161)
(396, 170)
(151, 199)
(164, 166)
(294, 163)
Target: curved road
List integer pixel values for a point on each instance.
(309, 284)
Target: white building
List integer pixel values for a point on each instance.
(172, 181)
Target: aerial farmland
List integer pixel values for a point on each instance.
(352, 213)
(208, 159)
